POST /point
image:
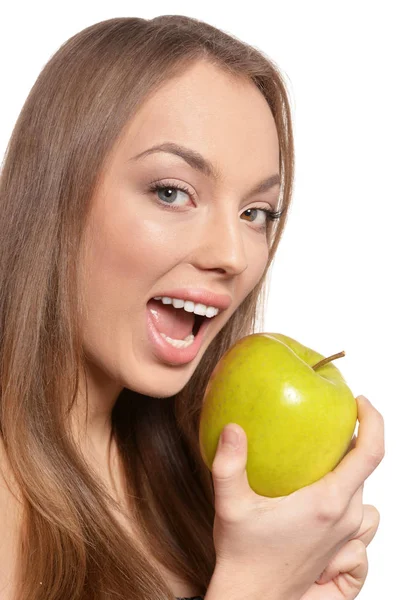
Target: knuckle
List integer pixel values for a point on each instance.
(329, 506)
(373, 515)
(376, 455)
(379, 416)
(223, 469)
(328, 513)
(359, 550)
(376, 514)
(353, 522)
(381, 445)
(228, 513)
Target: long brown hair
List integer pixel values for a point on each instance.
(71, 546)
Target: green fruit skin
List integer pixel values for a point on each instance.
(299, 422)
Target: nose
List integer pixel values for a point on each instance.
(219, 243)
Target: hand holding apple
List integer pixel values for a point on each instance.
(295, 407)
(282, 545)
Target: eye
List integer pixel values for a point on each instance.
(270, 215)
(169, 189)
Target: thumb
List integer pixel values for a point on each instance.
(229, 465)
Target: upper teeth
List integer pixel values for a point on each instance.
(198, 309)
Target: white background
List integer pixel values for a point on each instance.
(334, 280)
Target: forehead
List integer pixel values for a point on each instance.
(221, 116)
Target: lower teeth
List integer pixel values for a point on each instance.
(179, 343)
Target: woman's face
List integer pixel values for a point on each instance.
(144, 243)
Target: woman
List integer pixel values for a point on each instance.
(141, 179)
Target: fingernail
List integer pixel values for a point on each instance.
(230, 438)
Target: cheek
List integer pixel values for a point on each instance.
(128, 250)
(136, 242)
(257, 262)
(254, 274)
(120, 262)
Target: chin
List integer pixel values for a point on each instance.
(170, 380)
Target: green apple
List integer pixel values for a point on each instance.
(295, 407)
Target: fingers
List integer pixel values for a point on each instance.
(363, 459)
(348, 568)
(352, 557)
(369, 526)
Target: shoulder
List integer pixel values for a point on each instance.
(10, 525)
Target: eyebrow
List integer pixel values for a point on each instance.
(201, 164)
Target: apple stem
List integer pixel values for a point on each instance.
(328, 359)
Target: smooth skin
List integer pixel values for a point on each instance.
(136, 247)
(140, 243)
(277, 548)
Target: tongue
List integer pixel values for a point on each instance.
(173, 322)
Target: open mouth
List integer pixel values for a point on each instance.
(176, 323)
(198, 320)
(176, 336)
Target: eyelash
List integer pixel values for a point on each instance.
(272, 215)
